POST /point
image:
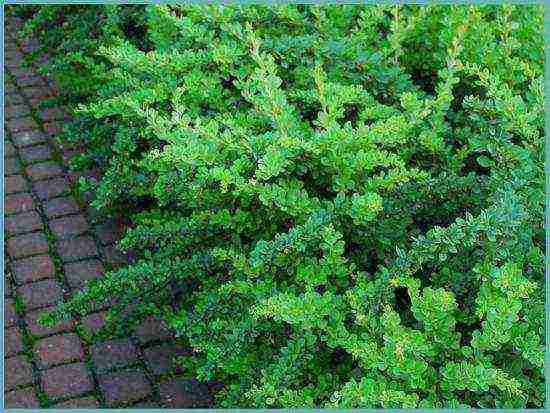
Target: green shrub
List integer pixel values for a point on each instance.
(335, 206)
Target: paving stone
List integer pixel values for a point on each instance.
(93, 322)
(108, 232)
(181, 393)
(79, 273)
(18, 203)
(9, 149)
(35, 153)
(58, 349)
(16, 111)
(66, 381)
(14, 183)
(13, 98)
(40, 294)
(33, 269)
(33, 137)
(21, 398)
(25, 222)
(51, 188)
(116, 257)
(69, 226)
(37, 330)
(58, 207)
(76, 248)
(124, 387)
(13, 342)
(10, 316)
(11, 166)
(28, 244)
(18, 372)
(36, 94)
(82, 403)
(160, 359)
(50, 114)
(21, 125)
(44, 170)
(113, 353)
(53, 128)
(152, 329)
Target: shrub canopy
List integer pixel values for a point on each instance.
(334, 206)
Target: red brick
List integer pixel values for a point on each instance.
(21, 398)
(13, 341)
(79, 273)
(27, 138)
(69, 226)
(25, 222)
(82, 403)
(21, 124)
(18, 372)
(66, 381)
(18, 203)
(37, 330)
(51, 188)
(10, 316)
(28, 244)
(124, 387)
(112, 354)
(33, 269)
(160, 359)
(180, 393)
(152, 329)
(44, 170)
(35, 153)
(40, 294)
(58, 349)
(77, 248)
(58, 207)
(14, 183)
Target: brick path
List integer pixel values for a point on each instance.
(53, 246)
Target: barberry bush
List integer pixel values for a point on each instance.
(334, 206)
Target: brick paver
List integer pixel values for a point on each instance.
(54, 247)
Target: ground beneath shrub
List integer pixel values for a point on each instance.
(53, 245)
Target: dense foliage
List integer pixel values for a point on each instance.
(335, 206)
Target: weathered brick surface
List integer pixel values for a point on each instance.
(24, 222)
(21, 124)
(81, 403)
(59, 349)
(35, 153)
(67, 380)
(51, 188)
(9, 149)
(11, 166)
(33, 269)
(79, 273)
(14, 183)
(124, 387)
(13, 342)
(9, 313)
(37, 330)
(16, 111)
(26, 138)
(28, 244)
(92, 323)
(43, 170)
(18, 203)
(18, 372)
(76, 248)
(160, 359)
(21, 398)
(184, 394)
(69, 226)
(152, 329)
(58, 207)
(113, 353)
(40, 294)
